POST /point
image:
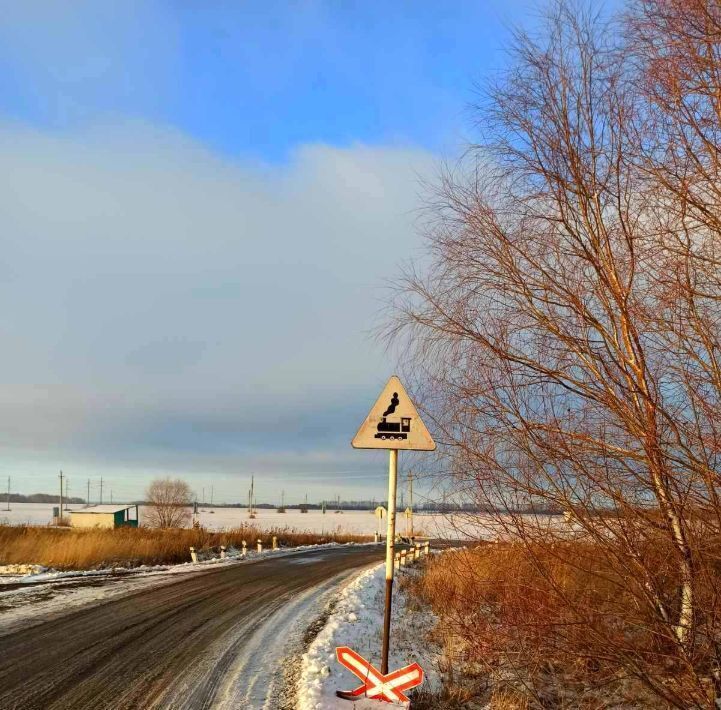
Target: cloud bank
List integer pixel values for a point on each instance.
(167, 309)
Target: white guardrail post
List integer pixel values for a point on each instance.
(193, 554)
(222, 552)
(275, 542)
(245, 549)
(260, 545)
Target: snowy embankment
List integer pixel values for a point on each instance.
(357, 621)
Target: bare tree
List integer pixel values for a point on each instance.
(569, 326)
(168, 503)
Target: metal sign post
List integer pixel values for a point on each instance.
(390, 552)
(380, 513)
(393, 424)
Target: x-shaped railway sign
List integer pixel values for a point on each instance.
(376, 685)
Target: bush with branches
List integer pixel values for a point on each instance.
(568, 330)
(168, 502)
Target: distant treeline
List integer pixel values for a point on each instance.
(38, 498)
(372, 504)
(330, 505)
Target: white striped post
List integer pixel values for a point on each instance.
(260, 545)
(193, 554)
(428, 547)
(390, 552)
(275, 542)
(416, 552)
(222, 552)
(245, 549)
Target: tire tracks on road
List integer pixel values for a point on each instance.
(174, 645)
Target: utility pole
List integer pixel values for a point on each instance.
(101, 490)
(410, 495)
(203, 496)
(87, 500)
(8, 508)
(211, 496)
(252, 493)
(111, 496)
(61, 495)
(282, 499)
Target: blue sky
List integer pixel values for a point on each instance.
(203, 204)
(256, 78)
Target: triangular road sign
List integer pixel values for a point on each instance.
(393, 423)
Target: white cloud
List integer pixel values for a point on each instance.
(155, 297)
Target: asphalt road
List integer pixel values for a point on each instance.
(176, 645)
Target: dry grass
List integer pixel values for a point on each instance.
(508, 700)
(530, 628)
(130, 547)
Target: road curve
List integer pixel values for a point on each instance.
(173, 646)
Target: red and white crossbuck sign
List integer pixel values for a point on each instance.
(376, 685)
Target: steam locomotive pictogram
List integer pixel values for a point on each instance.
(394, 430)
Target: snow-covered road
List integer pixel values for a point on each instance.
(214, 639)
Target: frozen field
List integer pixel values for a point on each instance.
(360, 522)
(456, 526)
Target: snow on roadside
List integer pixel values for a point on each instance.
(31, 598)
(357, 621)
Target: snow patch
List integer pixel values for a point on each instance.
(357, 621)
(15, 570)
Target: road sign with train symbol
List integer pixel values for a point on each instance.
(389, 687)
(393, 423)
